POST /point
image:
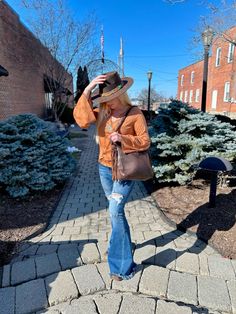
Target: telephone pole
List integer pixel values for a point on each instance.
(121, 58)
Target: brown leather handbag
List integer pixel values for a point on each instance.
(130, 166)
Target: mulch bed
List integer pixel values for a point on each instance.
(188, 207)
(20, 219)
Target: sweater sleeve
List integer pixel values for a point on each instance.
(83, 112)
(138, 142)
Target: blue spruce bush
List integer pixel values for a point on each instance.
(182, 136)
(32, 157)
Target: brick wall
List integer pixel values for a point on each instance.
(188, 85)
(26, 60)
(217, 77)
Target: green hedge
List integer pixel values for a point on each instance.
(33, 158)
(182, 136)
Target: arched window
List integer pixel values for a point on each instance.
(227, 92)
(218, 56)
(231, 53)
(192, 77)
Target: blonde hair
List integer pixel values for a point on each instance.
(105, 111)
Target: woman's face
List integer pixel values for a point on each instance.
(115, 104)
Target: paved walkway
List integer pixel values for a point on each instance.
(64, 270)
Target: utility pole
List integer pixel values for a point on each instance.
(102, 45)
(121, 58)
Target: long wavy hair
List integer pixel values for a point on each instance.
(105, 111)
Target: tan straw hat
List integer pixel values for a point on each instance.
(113, 87)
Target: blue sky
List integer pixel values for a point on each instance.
(156, 36)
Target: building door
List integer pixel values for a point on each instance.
(214, 99)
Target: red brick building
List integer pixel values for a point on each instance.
(221, 84)
(25, 89)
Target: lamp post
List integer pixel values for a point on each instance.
(149, 75)
(207, 37)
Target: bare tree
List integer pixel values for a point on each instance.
(221, 17)
(154, 97)
(70, 42)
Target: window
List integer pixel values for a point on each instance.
(190, 96)
(218, 56)
(197, 95)
(192, 77)
(186, 96)
(214, 99)
(182, 80)
(226, 92)
(231, 53)
(181, 96)
(48, 100)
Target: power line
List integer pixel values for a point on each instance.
(169, 56)
(142, 68)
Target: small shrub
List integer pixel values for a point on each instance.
(182, 136)
(33, 158)
(67, 116)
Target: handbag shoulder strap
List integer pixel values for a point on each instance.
(123, 119)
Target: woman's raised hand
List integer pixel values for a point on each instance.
(115, 137)
(100, 79)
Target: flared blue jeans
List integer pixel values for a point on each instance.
(120, 257)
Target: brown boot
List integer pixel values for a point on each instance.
(117, 278)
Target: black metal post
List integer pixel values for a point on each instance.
(149, 93)
(213, 186)
(204, 82)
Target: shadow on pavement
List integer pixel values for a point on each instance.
(208, 220)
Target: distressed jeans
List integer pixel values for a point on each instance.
(120, 257)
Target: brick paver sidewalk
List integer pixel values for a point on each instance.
(64, 270)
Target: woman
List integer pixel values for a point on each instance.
(133, 136)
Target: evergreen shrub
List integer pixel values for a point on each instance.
(182, 136)
(226, 119)
(67, 116)
(33, 157)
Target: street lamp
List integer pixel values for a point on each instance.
(207, 37)
(149, 75)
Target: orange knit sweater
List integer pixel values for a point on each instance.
(134, 133)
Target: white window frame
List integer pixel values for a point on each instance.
(214, 97)
(218, 56)
(181, 96)
(227, 92)
(197, 95)
(192, 77)
(186, 96)
(48, 100)
(231, 53)
(191, 96)
(182, 80)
